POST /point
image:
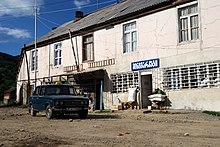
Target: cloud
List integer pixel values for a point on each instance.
(17, 7)
(16, 33)
(3, 40)
(80, 3)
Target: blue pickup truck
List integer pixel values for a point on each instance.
(57, 100)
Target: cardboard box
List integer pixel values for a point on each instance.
(116, 107)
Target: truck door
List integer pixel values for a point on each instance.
(34, 98)
(41, 99)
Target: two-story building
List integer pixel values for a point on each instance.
(168, 44)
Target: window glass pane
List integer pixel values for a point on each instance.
(127, 37)
(194, 21)
(194, 34)
(193, 9)
(184, 35)
(56, 54)
(60, 53)
(36, 64)
(134, 36)
(88, 39)
(55, 62)
(127, 27)
(60, 61)
(134, 46)
(127, 47)
(133, 25)
(183, 11)
(194, 28)
(184, 24)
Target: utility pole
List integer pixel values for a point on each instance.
(35, 44)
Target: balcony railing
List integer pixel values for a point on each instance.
(73, 68)
(102, 63)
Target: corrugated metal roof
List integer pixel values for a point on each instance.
(104, 15)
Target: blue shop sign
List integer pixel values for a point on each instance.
(145, 64)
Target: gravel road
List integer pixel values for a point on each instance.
(127, 128)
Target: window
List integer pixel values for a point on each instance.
(192, 76)
(188, 23)
(60, 90)
(42, 91)
(129, 37)
(57, 54)
(36, 91)
(122, 81)
(34, 58)
(88, 51)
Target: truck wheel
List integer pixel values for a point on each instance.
(49, 112)
(83, 114)
(33, 113)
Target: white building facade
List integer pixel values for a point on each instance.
(97, 51)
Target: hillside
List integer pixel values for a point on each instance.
(8, 70)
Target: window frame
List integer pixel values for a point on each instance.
(33, 56)
(189, 27)
(130, 40)
(57, 58)
(85, 51)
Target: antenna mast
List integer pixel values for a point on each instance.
(97, 4)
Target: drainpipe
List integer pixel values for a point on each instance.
(77, 51)
(49, 61)
(140, 92)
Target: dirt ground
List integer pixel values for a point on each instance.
(128, 128)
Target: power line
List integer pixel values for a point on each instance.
(68, 9)
(48, 20)
(43, 24)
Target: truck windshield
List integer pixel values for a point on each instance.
(60, 90)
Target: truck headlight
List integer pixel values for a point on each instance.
(56, 103)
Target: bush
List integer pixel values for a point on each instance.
(212, 113)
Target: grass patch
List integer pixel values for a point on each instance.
(103, 111)
(212, 113)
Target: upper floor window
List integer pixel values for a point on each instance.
(129, 37)
(88, 47)
(188, 23)
(34, 60)
(57, 54)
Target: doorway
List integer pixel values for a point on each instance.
(146, 89)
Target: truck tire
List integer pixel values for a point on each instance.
(49, 112)
(33, 113)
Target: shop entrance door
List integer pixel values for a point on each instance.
(146, 89)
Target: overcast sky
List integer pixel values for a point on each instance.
(17, 19)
